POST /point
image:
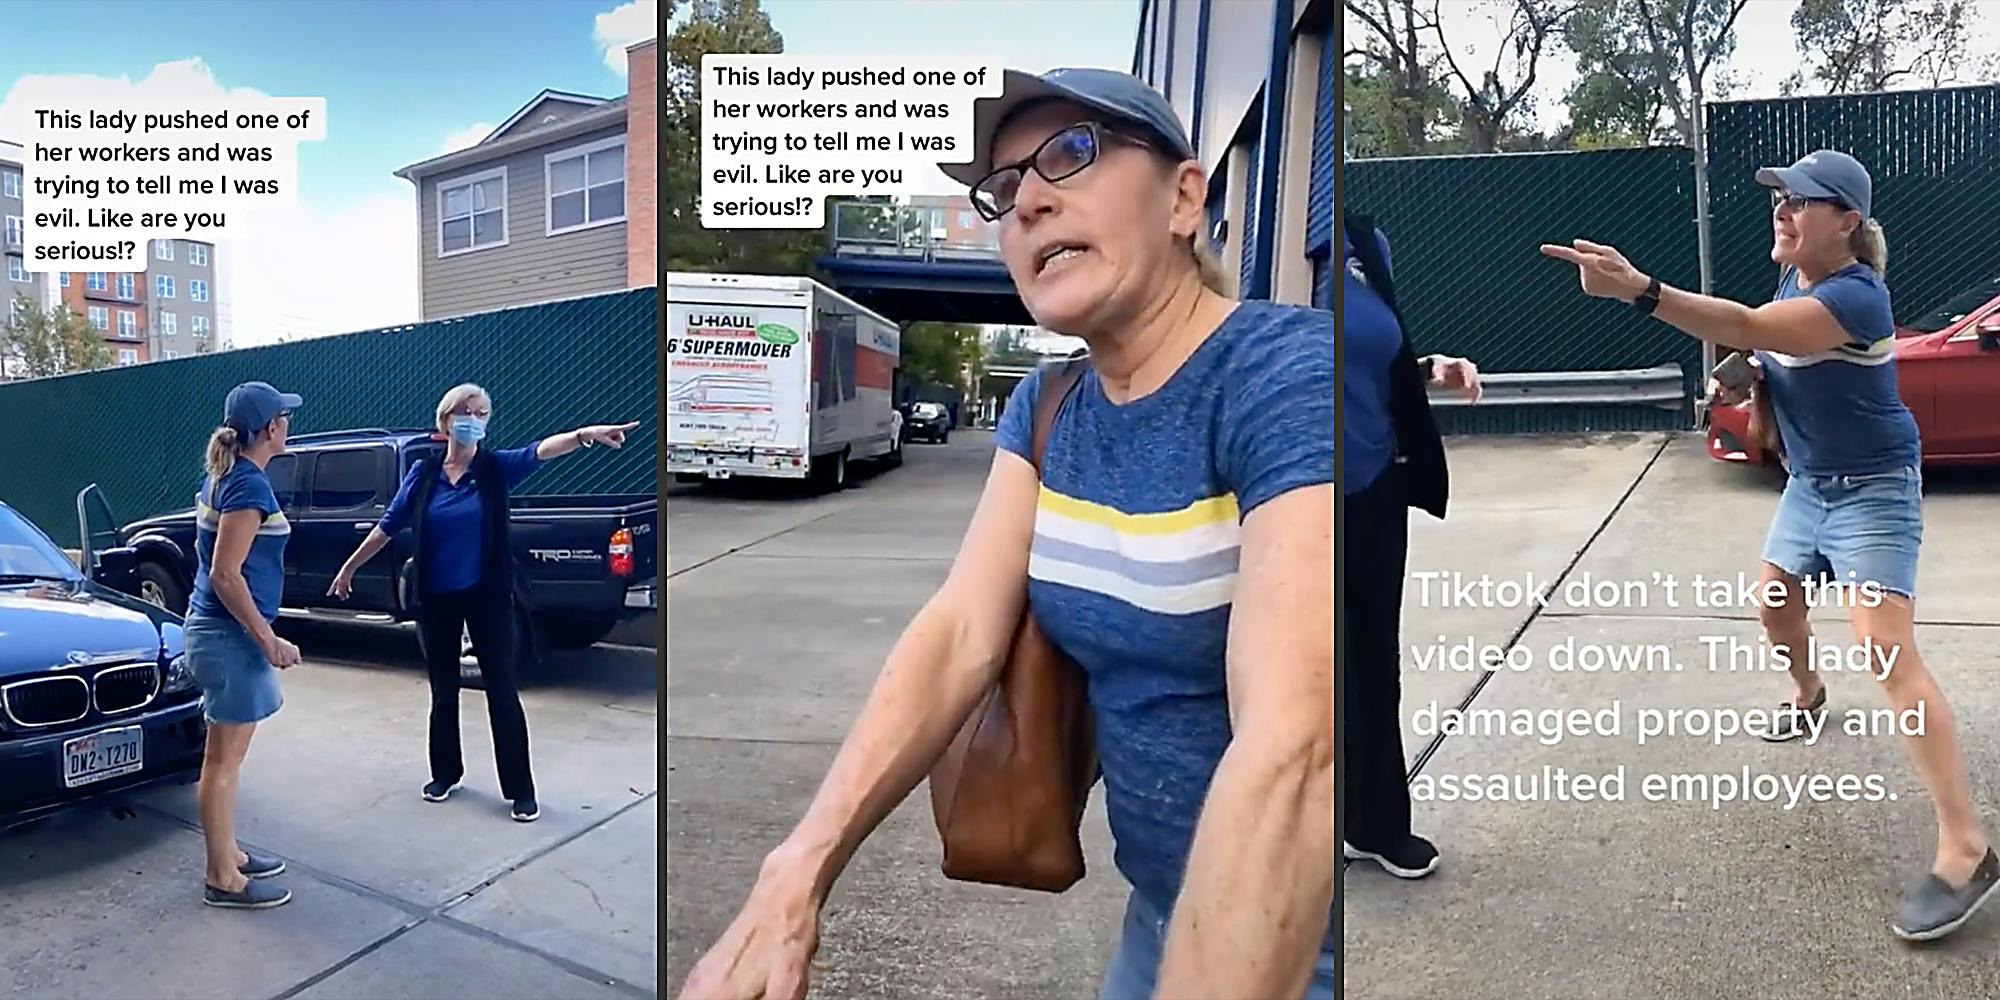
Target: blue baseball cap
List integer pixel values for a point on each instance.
(1121, 97)
(1828, 173)
(253, 405)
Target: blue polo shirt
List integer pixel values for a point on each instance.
(1133, 566)
(454, 545)
(1370, 338)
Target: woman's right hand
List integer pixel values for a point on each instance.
(343, 585)
(280, 652)
(766, 953)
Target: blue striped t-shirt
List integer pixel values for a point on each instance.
(1134, 564)
(244, 487)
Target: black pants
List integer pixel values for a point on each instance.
(1375, 535)
(491, 622)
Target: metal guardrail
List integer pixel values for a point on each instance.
(912, 232)
(1663, 387)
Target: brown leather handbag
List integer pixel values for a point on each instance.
(1010, 791)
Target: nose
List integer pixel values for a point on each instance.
(1035, 197)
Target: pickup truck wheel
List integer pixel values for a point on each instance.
(159, 585)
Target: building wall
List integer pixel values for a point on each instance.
(10, 252)
(531, 266)
(642, 129)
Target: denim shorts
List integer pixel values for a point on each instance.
(1135, 966)
(1851, 530)
(238, 684)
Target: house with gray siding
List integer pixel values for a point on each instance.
(533, 212)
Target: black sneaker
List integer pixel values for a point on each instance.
(1414, 857)
(255, 896)
(438, 791)
(1789, 722)
(526, 810)
(1933, 908)
(261, 867)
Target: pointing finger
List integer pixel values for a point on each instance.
(1563, 253)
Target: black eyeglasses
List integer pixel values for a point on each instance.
(1059, 157)
(1789, 203)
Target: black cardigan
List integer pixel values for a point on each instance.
(496, 577)
(1419, 449)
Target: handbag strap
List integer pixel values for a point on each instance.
(1059, 379)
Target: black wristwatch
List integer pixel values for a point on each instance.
(1649, 299)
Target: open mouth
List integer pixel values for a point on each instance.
(1058, 254)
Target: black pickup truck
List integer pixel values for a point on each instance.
(586, 563)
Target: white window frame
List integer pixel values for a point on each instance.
(163, 249)
(169, 355)
(549, 192)
(199, 326)
(16, 271)
(169, 324)
(14, 309)
(15, 231)
(62, 278)
(163, 286)
(128, 285)
(128, 355)
(10, 183)
(464, 180)
(197, 255)
(197, 290)
(95, 281)
(94, 313)
(128, 324)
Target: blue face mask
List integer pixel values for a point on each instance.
(467, 430)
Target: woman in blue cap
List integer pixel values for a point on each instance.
(240, 536)
(1177, 546)
(1853, 505)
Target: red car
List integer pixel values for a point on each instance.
(1948, 366)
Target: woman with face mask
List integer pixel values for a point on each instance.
(463, 577)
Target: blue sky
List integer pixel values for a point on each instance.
(401, 80)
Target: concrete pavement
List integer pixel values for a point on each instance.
(778, 618)
(394, 897)
(1669, 899)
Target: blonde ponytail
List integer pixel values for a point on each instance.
(1209, 267)
(1871, 246)
(223, 450)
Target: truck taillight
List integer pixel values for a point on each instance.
(621, 552)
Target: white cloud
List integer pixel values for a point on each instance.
(467, 136)
(623, 25)
(307, 269)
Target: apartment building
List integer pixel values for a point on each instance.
(164, 312)
(16, 281)
(539, 209)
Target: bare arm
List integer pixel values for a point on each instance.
(1792, 326)
(1253, 909)
(947, 657)
(558, 445)
(233, 536)
(369, 548)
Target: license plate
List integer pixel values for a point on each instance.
(103, 755)
(718, 473)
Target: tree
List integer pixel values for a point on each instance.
(715, 26)
(940, 352)
(1408, 103)
(1660, 50)
(1506, 89)
(1868, 46)
(51, 342)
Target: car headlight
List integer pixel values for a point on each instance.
(179, 677)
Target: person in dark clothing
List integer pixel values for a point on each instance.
(463, 579)
(1391, 460)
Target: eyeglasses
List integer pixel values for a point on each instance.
(1059, 157)
(1791, 204)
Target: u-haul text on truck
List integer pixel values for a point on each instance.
(776, 376)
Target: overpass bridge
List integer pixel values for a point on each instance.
(911, 264)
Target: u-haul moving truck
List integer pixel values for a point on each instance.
(776, 376)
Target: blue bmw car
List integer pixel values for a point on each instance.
(95, 697)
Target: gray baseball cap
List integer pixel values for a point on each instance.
(1121, 97)
(1828, 173)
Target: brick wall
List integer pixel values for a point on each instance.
(642, 129)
